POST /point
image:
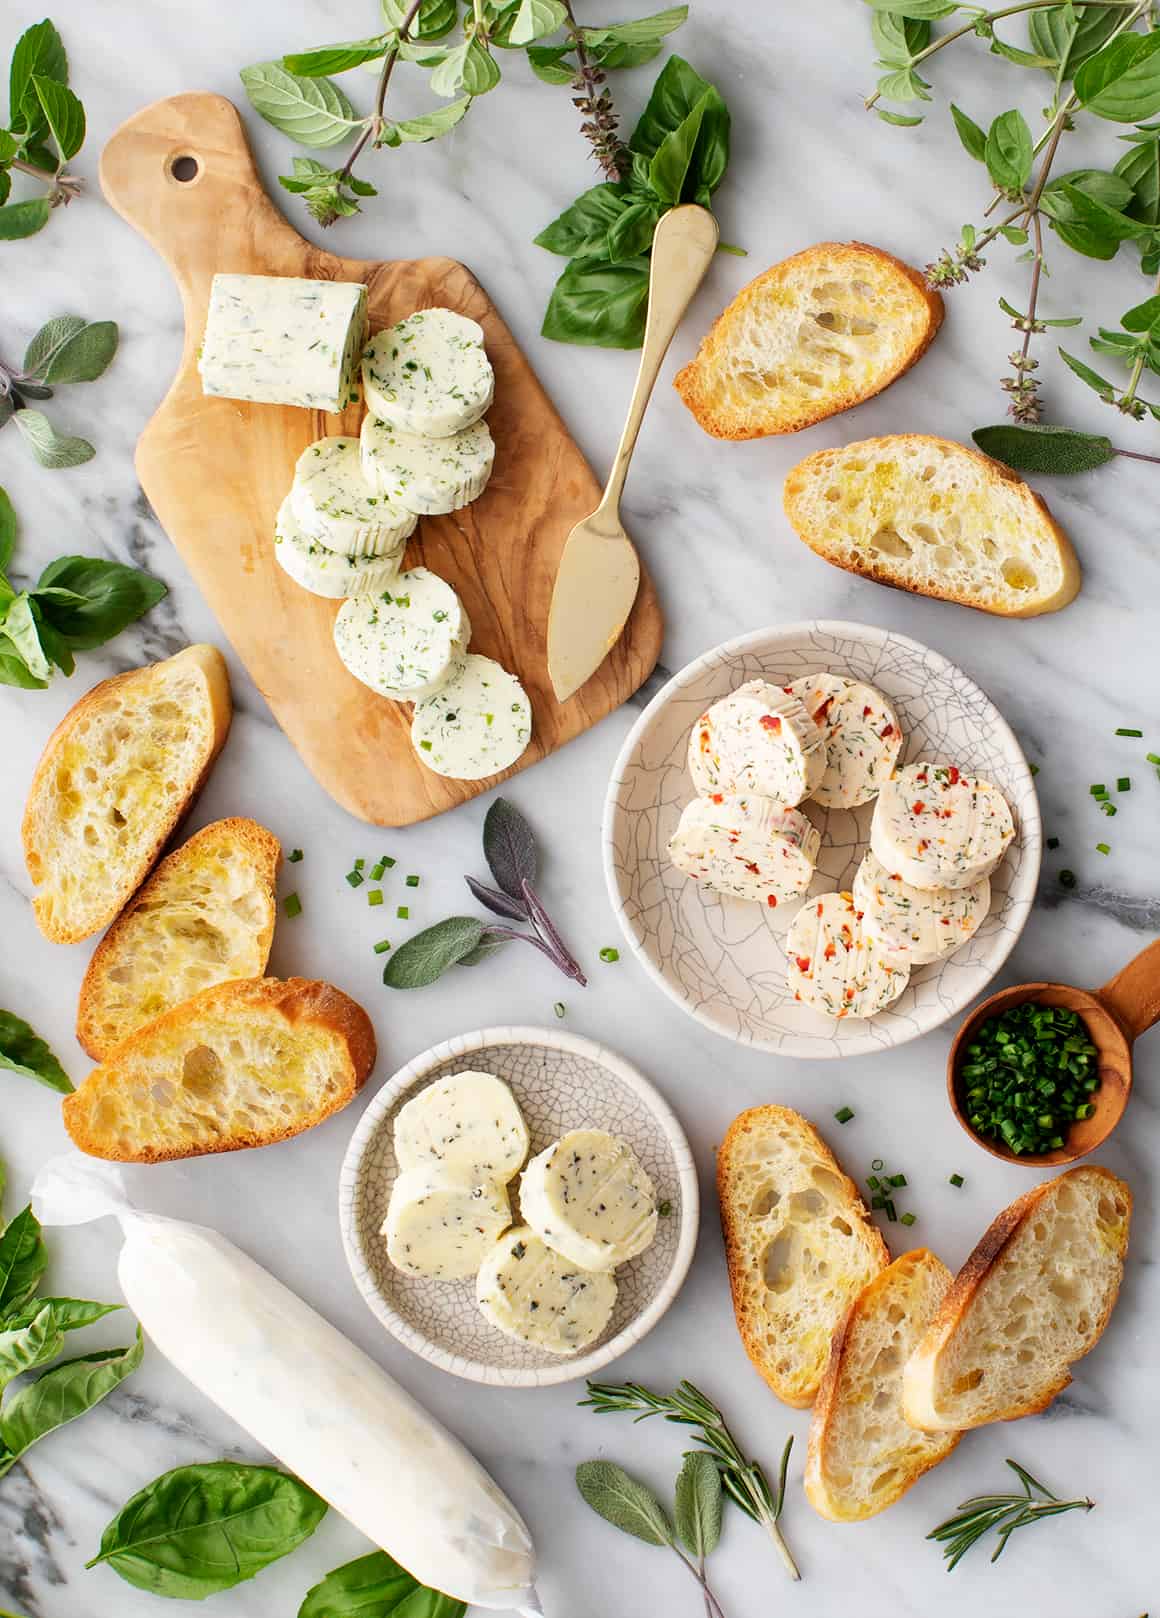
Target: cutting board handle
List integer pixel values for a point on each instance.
(181, 172)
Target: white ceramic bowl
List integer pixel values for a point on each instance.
(723, 960)
(561, 1082)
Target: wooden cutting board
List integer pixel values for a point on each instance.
(216, 470)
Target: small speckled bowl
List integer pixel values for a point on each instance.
(561, 1082)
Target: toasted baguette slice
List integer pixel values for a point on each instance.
(1033, 1297)
(118, 773)
(862, 1454)
(242, 1064)
(206, 915)
(930, 515)
(799, 1244)
(817, 333)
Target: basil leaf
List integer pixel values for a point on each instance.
(1121, 82)
(375, 1586)
(23, 1051)
(326, 59)
(1093, 378)
(23, 1260)
(428, 125)
(500, 904)
(314, 112)
(19, 626)
(1068, 34)
(529, 20)
(26, 1347)
(21, 219)
(898, 118)
(72, 350)
(49, 447)
(674, 156)
(469, 68)
(52, 642)
(973, 137)
(916, 8)
(39, 51)
(631, 235)
(14, 670)
(678, 91)
(201, 1529)
(435, 19)
(550, 63)
(582, 229)
(648, 30)
(1086, 224)
(1140, 168)
(699, 1504)
(113, 596)
(426, 956)
(8, 529)
(1040, 448)
(1008, 152)
(1144, 316)
(61, 1395)
(509, 847)
(898, 40)
(623, 1502)
(601, 305)
(68, 1314)
(63, 114)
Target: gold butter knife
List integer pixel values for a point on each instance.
(599, 572)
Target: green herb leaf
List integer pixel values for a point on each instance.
(48, 339)
(932, 9)
(484, 950)
(8, 530)
(678, 90)
(61, 1395)
(902, 120)
(632, 233)
(23, 1260)
(313, 112)
(648, 30)
(435, 18)
(40, 53)
(375, 1586)
(1093, 379)
(1041, 448)
(1008, 152)
(23, 1051)
(50, 447)
(509, 847)
(428, 125)
(1121, 82)
(316, 64)
(550, 63)
(973, 137)
(622, 1501)
(424, 958)
(69, 349)
(532, 20)
(68, 1314)
(25, 1348)
(201, 1529)
(600, 305)
(63, 114)
(14, 670)
(699, 1504)
(1068, 35)
(20, 628)
(673, 158)
(21, 219)
(898, 40)
(104, 598)
(1140, 168)
(581, 231)
(1144, 316)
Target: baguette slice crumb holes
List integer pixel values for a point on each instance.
(799, 1243)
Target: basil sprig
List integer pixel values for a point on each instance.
(45, 131)
(375, 1586)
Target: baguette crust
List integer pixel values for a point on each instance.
(925, 1403)
(972, 581)
(124, 1110)
(116, 991)
(73, 904)
(779, 1183)
(787, 295)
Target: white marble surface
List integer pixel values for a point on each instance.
(807, 164)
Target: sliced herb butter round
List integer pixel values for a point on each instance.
(535, 1295)
(835, 966)
(428, 374)
(468, 1123)
(336, 505)
(442, 1225)
(937, 828)
(427, 475)
(478, 724)
(863, 737)
(406, 641)
(916, 925)
(325, 572)
(589, 1198)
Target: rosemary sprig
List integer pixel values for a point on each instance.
(743, 1481)
(1003, 1512)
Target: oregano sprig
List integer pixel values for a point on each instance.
(45, 131)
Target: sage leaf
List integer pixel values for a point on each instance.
(48, 339)
(326, 59)
(80, 354)
(49, 447)
(425, 957)
(1008, 152)
(23, 1260)
(314, 112)
(599, 305)
(622, 1501)
(699, 1504)
(9, 528)
(19, 626)
(61, 1395)
(103, 598)
(375, 1586)
(500, 904)
(1041, 448)
(68, 1314)
(581, 231)
(1121, 82)
(427, 125)
(39, 52)
(63, 114)
(23, 1051)
(21, 219)
(201, 1529)
(484, 950)
(509, 847)
(973, 137)
(23, 1348)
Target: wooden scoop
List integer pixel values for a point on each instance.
(1116, 1015)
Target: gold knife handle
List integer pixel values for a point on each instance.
(683, 246)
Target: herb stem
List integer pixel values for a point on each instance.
(600, 126)
(712, 1605)
(373, 127)
(548, 931)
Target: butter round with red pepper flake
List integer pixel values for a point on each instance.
(834, 966)
(759, 739)
(937, 828)
(918, 927)
(862, 734)
(748, 848)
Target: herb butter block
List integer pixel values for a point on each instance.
(429, 476)
(937, 828)
(428, 374)
(916, 925)
(442, 1225)
(406, 641)
(834, 966)
(862, 733)
(336, 506)
(749, 848)
(278, 339)
(468, 1123)
(758, 739)
(478, 724)
(589, 1198)
(324, 572)
(533, 1294)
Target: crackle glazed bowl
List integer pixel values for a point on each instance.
(561, 1082)
(722, 960)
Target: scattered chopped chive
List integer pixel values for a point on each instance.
(292, 905)
(1067, 879)
(403, 913)
(609, 955)
(1034, 769)
(664, 1208)
(873, 1182)
(375, 896)
(388, 862)
(844, 1114)
(877, 1164)
(1103, 848)
(891, 1212)
(1053, 842)
(382, 946)
(294, 856)
(1124, 731)
(377, 871)
(1152, 758)
(878, 1203)
(1123, 783)
(355, 878)
(358, 864)
(956, 1180)
(909, 1219)
(1099, 790)
(412, 882)
(559, 1008)
(897, 1180)
(1108, 809)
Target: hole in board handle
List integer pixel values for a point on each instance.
(185, 168)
